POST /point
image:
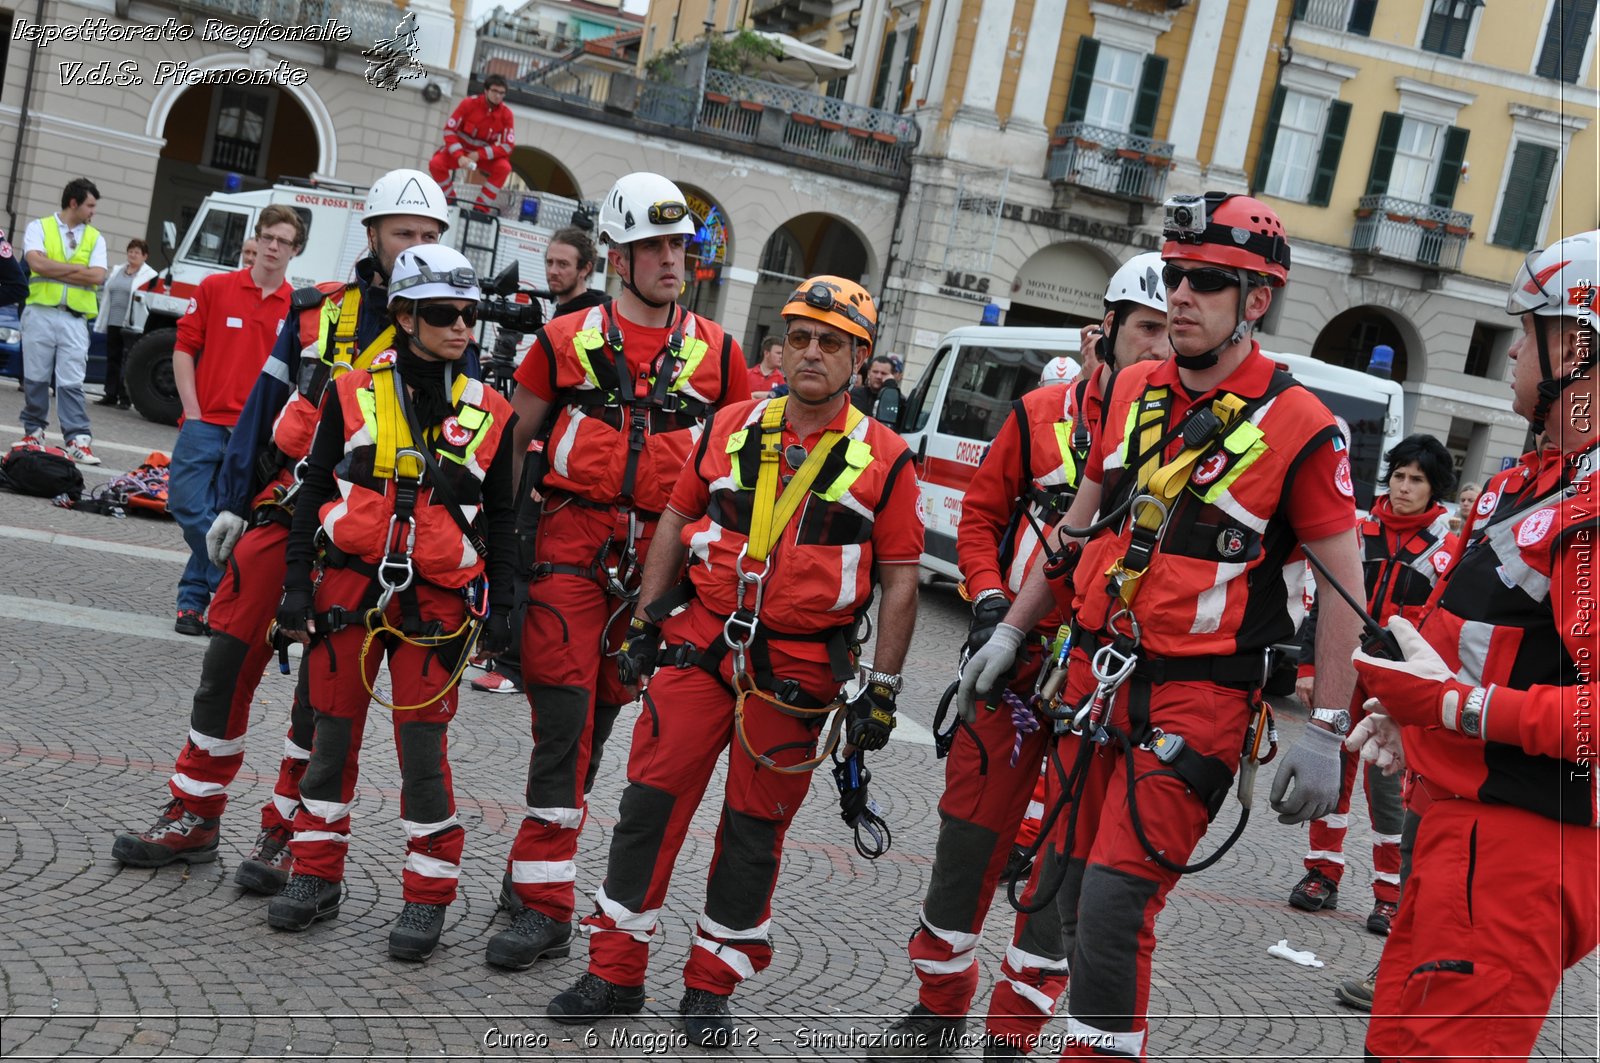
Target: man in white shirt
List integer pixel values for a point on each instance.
(66, 265)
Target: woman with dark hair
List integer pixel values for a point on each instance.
(1405, 544)
(406, 457)
(122, 317)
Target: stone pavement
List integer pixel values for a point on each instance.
(98, 962)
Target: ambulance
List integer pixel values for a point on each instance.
(335, 239)
(977, 372)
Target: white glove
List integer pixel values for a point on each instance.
(985, 671)
(1312, 765)
(469, 162)
(1419, 691)
(223, 537)
(1377, 739)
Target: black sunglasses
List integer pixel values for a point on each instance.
(443, 315)
(827, 342)
(1203, 279)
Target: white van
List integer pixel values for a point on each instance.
(977, 372)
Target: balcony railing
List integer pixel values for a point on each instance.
(743, 109)
(1329, 14)
(1418, 233)
(1106, 161)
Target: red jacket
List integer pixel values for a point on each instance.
(1517, 614)
(488, 134)
(1029, 475)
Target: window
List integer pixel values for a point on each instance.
(1352, 16)
(984, 382)
(238, 138)
(220, 238)
(1466, 442)
(1115, 86)
(1414, 157)
(1417, 160)
(1448, 24)
(1523, 201)
(914, 416)
(1295, 147)
(1486, 351)
(1566, 39)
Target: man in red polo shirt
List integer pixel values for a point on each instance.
(223, 340)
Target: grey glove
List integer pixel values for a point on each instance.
(985, 671)
(223, 537)
(1312, 765)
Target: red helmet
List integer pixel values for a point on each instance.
(1227, 230)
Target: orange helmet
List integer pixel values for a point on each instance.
(835, 301)
(1227, 230)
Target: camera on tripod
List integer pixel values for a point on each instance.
(502, 304)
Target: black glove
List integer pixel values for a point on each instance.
(296, 609)
(870, 717)
(497, 638)
(986, 614)
(640, 651)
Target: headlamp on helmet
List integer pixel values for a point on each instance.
(836, 301)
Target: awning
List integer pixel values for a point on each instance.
(802, 64)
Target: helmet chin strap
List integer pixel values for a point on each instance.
(1208, 359)
(628, 284)
(1108, 341)
(1550, 385)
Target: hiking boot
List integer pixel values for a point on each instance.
(496, 683)
(919, 1035)
(1315, 892)
(266, 870)
(303, 901)
(706, 1021)
(178, 835)
(78, 450)
(592, 997)
(1381, 916)
(1018, 865)
(1358, 992)
(190, 622)
(416, 932)
(531, 937)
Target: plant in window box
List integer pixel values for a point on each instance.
(1458, 230)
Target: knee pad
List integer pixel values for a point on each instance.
(642, 817)
(219, 677)
(746, 870)
(422, 788)
(324, 777)
(1105, 971)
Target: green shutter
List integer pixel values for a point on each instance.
(1449, 176)
(1361, 14)
(1269, 138)
(1566, 37)
(1527, 187)
(1082, 79)
(1299, 11)
(1328, 154)
(1148, 102)
(1383, 157)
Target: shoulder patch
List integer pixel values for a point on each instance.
(1535, 526)
(1486, 502)
(1341, 477)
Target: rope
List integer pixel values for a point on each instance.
(744, 687)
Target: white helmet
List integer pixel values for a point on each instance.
(1558, 281)
(1062, 370)
(1138, 280)
(642, 205)
(406, 192)
(433, 271)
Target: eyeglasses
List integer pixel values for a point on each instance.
(667, 212)
(274, 241)
(1203, 279)
(443, 315)
(827, 342)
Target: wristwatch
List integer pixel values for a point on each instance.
(888, 679)
(1337, 719)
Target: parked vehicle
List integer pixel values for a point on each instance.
(11, 347)
(335, 239)
(977, 372)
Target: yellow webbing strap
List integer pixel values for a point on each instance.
(772, 513)
(1165, 482)
(393, 434)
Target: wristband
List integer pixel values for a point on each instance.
(887, 679)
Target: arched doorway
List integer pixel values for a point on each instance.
(710, 250)
(1060, 286)
(804, 246)
(542, 172)
(1348, 339)
(258, 133)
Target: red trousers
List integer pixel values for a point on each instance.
(570, 638)
(985, 798)
(686, 724)
(1499, 903)
(1110, 891)
(339, 696)
(237, 655)
(442, 167)
(1385, 813)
